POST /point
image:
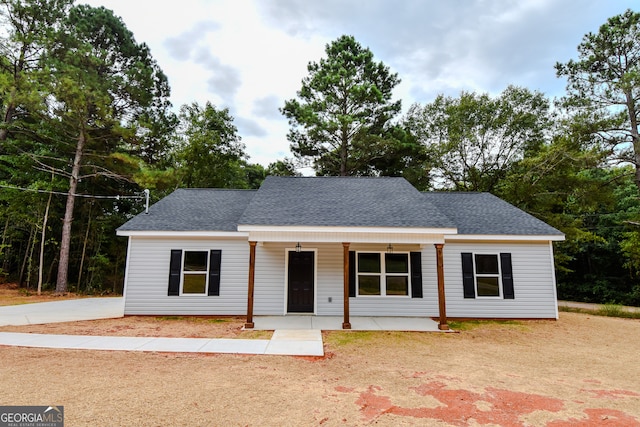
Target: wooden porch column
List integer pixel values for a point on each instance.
(345, 301)
(442, 325)
(252, 274)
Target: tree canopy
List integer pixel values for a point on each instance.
(474, 139)
(210, 152)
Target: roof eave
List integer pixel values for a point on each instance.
(507, 237)
(344, 229)
(179, 233)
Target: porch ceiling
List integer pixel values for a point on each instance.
(398, 237)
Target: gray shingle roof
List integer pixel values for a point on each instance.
(336, 201)
(194, 209)
(342, 202)
(484, 213)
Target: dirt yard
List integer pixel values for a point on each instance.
(582, 370)
(11, 294)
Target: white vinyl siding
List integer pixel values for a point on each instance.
(533, 282)
(147, 277)
(146, 280)
(392, 305)
(270, 280)
(269, 290)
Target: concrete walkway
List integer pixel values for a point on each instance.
(71, 310)
(289, 342)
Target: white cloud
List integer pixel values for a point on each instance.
(182, 45)
(251, 55)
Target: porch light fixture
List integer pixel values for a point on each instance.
(390, 248)
(298, 247)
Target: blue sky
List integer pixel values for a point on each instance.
(251, 55)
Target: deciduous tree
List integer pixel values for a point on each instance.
(472, 140)
(210, 152)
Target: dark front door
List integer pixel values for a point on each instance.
(300, 286)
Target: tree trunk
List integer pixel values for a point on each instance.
(52, 265)
(84, 249)
(637, 159)
(93, 270)
(344, 153)
(3, 245)
(30, 262)
(11, 106)
(42, 241)
(635, 137)
(8, 116)
(65, 242)
(26, 257)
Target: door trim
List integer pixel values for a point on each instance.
(315, 280)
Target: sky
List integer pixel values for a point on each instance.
(250, 56)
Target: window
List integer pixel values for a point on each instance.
(487, 275)
(194, 272)
(383, 274)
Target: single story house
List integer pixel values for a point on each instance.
(339, 246)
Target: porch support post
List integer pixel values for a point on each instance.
(252, 274)
(442, 325)
(345, 256)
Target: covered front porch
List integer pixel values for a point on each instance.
(303, 280)
(358, 323)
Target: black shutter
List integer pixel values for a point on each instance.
(507, 276)
(215, 256)
(175, 268)
(468, 282)
(416, 274)
(352, 274)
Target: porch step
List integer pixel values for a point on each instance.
(295, 342)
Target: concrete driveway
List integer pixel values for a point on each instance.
(287, 342)
(62, 311)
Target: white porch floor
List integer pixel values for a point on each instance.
(334, 323)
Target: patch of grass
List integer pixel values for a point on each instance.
(216, 320)
(607, 310)
(363, 338)
(255, 335)
(170, 318)
(194, 319)
(343, 338)
(611, 310)
(467, 325)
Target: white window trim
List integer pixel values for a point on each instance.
(205, 272)
(476, 275)
(383, 274)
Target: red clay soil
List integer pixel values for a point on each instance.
(493, 406)
(578, 371)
